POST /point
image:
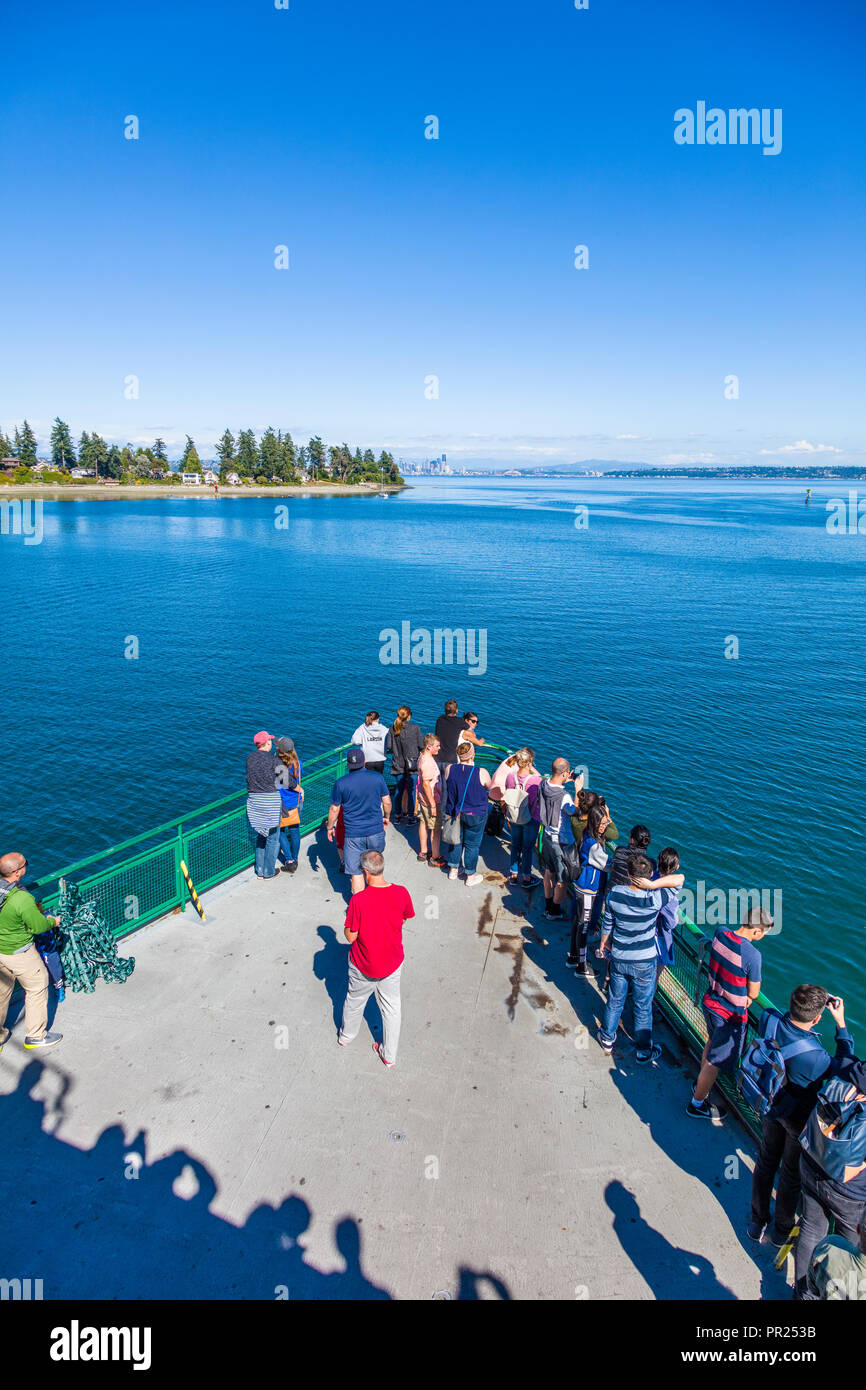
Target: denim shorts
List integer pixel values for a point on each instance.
(726, 1036)
(355, 846)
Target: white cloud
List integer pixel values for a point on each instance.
(802, 446)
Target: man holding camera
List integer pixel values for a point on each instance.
(804, 1073)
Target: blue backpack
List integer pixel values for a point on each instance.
(763, 1070)
(835, 1133)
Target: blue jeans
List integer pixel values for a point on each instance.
(405, 783)
(471, 835)
(641, 976)
(523, 839)
(266, 853)
(290, 843)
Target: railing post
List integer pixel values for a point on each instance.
(178, 876)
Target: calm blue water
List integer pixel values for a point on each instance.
(606, 644)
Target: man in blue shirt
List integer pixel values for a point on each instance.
(366, 805)
(780, 1149)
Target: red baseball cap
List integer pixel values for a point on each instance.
(262, 736)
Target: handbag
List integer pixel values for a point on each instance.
(288, 818)
(451, 824)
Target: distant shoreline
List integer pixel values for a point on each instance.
(107, 493)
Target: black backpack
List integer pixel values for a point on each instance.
(495, 819)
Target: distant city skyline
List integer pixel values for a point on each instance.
(433, 232)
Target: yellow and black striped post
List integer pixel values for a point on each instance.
(787, 1247)
(193, 894)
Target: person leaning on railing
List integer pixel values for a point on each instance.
(20, 921)
(263, 803)
(405, 743)
(288, 780)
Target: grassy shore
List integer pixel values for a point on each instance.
(107, 493)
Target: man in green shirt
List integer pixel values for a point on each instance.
(20, 921)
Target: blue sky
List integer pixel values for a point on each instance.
(453, 258)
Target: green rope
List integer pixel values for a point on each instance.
(87, 949)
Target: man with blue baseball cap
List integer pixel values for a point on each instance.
(366, 805)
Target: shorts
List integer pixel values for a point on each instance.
(551, 858)
(431, 816)
(726, 1038)
(356, 845)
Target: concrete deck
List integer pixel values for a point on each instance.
(199, 1134)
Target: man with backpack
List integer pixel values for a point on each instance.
(832, 1167)
(780, 1075)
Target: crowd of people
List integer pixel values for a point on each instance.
(812, 1105)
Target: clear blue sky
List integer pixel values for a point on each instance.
(412, 257)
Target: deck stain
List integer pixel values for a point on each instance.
(509, 944)
(485, 916)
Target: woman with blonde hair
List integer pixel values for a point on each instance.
(405, 742)
(497, 782)
(519, 808)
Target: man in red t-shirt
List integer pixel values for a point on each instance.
(374, 929)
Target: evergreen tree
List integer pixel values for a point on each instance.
(159, 450)
(289, 468)
(226, 452)
(7, 447)
(316, 455)
(190, 462)
(302, 459)
(108, 462)
(26, 442)
(270, 453)
(248, 454)
(84, 450)
(62, 448)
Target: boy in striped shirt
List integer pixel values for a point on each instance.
(734, 982)
(629, 924)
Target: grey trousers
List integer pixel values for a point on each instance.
(388, 999)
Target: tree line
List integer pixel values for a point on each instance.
(274, 456)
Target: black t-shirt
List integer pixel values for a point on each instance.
(620, 866)
(449, 727)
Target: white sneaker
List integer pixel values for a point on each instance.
(453, 873)
(473, 879)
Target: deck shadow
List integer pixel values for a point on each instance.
(103, 1223)
(330, 965)
(670, 1272)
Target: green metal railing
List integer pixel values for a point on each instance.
(216, 843)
